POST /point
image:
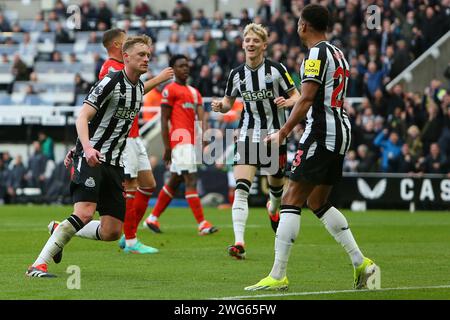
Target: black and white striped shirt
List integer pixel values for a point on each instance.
(258, 88)
(327, 123)
(117, 101)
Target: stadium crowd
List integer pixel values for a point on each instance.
(393, 131)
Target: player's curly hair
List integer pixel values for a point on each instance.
(130, 41)
(258, 29)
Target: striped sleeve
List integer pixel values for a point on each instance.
(100, 92)
(315, 65)
(285, 78)
(231, 89)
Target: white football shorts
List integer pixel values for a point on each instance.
(135, 157)
(183, 159)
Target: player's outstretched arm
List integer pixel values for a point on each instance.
(223, 105)
(282, 102)
(163, 76)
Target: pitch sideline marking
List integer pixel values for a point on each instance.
(327, 292)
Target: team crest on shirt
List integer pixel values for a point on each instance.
(237, 157)
(98, 91)
(268, 78)
(90, 182)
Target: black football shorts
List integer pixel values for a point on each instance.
(102, 185)
(316, 165)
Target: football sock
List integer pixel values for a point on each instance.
(90, 231)
(194, 202)
(60, 237)
(164, 198)
(141, 203)
(239, 209)
(275, 193)
(130, 242)
(287, 232)
(336, 224)
(129, 228)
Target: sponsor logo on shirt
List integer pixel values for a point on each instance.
(312, 68)
(257, 95)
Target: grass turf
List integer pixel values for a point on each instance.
(411, 249)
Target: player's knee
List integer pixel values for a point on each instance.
(316, 204)
(111, 234)
(242, 189)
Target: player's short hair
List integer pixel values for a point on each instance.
(176, 57)
(258, 29)
(133, 40)
(317, 16)
(110, 35)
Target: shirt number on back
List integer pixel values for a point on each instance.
(341, 74)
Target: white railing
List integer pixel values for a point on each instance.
(66, 115)
(406, 74)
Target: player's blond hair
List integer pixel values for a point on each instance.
(131, 41)
(258, 29)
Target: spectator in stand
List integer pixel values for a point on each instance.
(432, 128)
(61, 35)
(401, 59)
(245, 18)
(35, 176)
(435, 162)
(88, 15)
(203, 82)
(124, 8)
(355, 83)
(414, 143)
(143, 29)
(366, 159)
(60, 9)
(81, 86)
(56, 56)
(6, 157)
(31, 98)
(16, 178)
(264, 11)
(19, 69)
(218, 82)
(200, 17)
(373, 79)
(181, 13)
(351, 162)
(5, 26)
(105, 15)
(174, 47)
(142, 9)
(217, 21)
(27, 49)
(47, 145)
(406, 163)
(390, 149)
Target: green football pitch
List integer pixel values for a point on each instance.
(412, 249)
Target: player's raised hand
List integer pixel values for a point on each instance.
(275, 137)
(92, 157)
(216, 105)
(166, 74)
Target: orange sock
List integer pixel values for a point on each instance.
(164, 198)
(196, 206)
(129, 225)
(141, 202)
